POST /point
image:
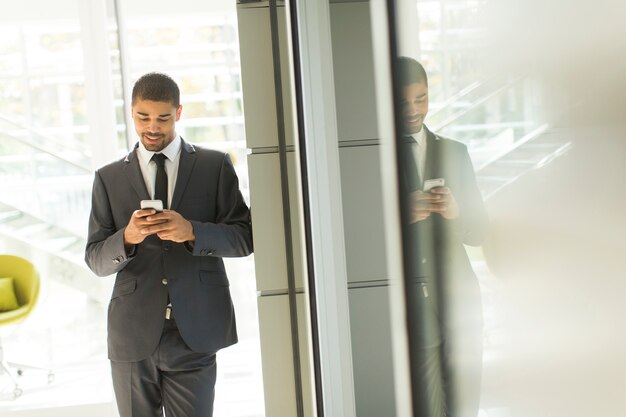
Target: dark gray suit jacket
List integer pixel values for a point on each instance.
(437, 243)
(445, 319)
(207, 194)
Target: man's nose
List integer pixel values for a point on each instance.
(411, 110)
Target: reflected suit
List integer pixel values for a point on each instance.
(445, 313)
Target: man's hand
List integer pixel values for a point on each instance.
(169, 225)
(422, 204)
(438, 200)
(139, 222)
(450, 209)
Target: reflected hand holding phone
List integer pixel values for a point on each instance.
(433, 183)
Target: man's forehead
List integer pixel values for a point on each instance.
(416, 86)
(415, 89)
(153, 107)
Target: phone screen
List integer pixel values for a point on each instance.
(433, 183)
(152, 204)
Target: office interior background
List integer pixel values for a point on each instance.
(299, 93)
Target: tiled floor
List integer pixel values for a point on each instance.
(67, 333)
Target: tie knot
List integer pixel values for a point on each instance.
(159, 158)
(409, 140)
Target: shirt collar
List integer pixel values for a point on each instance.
(170, 151)
(420, 137)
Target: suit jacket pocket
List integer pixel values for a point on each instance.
(217, 278)
(124, 288)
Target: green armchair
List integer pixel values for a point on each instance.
(19, 291)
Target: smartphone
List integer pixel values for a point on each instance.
(152, 204)
(433, 183)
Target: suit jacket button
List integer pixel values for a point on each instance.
(164, 281)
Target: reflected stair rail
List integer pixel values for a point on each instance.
(450, 101)
(527, 138)
(483, 99)
(534, 151)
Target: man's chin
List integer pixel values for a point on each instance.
(152, 145)
(412, 129)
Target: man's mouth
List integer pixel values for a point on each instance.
(152, 136)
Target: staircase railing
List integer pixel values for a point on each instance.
(51, 186)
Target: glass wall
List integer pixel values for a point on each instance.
(519, 84)
(54, 125)
(197, 45)
(486, 107)
(43, 77)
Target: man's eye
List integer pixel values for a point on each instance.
(162, 120)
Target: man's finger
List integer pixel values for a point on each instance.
(441, 191)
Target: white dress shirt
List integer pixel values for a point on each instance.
(149, 167)
(419, 151)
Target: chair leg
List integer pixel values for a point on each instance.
(22, 367)
(6, 369)
(15, 370)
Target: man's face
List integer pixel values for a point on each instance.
(155, 123)
(414, 104)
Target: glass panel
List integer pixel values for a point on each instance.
(519, 90)
(45, 188)
(46, 178)
(442, 73)
(200, 51)
(196, 44)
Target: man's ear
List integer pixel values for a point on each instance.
(179, 111)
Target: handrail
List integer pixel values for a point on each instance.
(47, 139)
(33, 131)
(56, 154)
(457, 96)
(454, 117)
(525, 139)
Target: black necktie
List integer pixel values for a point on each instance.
(160, 182)
(410, 165)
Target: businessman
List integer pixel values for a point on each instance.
(445, 318)
(170, 309)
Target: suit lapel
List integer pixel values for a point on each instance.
(133, 173)
(185, 167)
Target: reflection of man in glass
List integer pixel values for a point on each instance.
(443, 294)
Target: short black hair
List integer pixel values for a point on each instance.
(156, 86)
(409, 71)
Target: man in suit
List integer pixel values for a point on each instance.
(443, 296)
(170, 309)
